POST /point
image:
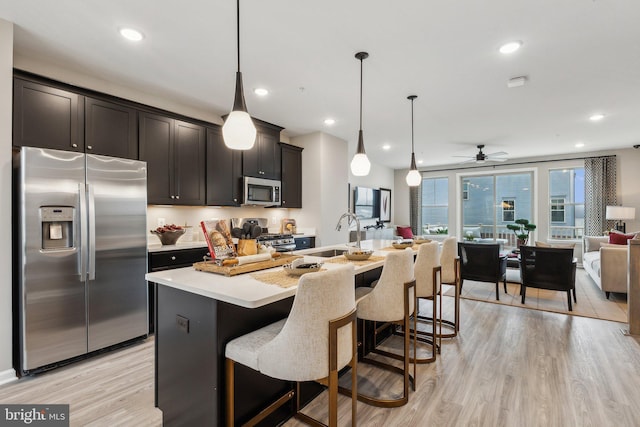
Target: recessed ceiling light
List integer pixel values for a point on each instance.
(131, 34)
(329, 122)
(596, 117)
(510, 47)
(579, 144)
(386, 147)
(260, 91)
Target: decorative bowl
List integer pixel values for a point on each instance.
(402, 244)
(299, 271)
(358, 255)
(421, 241)
(169, 237)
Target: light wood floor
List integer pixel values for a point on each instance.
(509, 367)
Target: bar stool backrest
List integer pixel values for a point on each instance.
(385, 303)
(426, 261)
(300, 352)
(448, 260)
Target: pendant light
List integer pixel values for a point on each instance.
(238, 131)
(413, 177)
(360, 164)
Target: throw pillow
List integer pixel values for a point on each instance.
(405, 232)
(619, 238)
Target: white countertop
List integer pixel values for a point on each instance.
(158, 247)
(245, 291)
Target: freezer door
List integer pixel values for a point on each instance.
(50, 287)
(116, 288)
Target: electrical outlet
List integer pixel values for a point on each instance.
(183, 323)
(161, 222)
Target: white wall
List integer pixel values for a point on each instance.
(324, 186)
(6, 99)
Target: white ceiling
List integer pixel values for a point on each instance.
(580, 56)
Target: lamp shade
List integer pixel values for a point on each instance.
(360, 165)
(414, 178)
(620, 212)
(238, 131)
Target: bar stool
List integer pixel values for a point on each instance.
(312, 344)
(449, 275)
(427, 272)
(390, 301)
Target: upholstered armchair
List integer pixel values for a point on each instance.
(548, 268)
(483, 263)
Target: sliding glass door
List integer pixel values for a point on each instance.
(490, 202)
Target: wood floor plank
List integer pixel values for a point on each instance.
(508, 367)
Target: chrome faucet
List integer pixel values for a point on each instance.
(351, 217)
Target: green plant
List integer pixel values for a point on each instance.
(443, 230)
(521, 229)
(469, 236)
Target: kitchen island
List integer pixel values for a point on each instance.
(198, 313)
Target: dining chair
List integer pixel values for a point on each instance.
(482, 262)
(548, 268)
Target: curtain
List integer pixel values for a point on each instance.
(415, 209)
(600, 192)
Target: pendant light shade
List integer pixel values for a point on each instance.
(238, 131)
(414, 178)
(360, 164)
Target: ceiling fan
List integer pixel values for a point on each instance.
(482, 157)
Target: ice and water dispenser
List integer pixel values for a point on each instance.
(57, 227)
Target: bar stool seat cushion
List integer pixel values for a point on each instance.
(246, 348)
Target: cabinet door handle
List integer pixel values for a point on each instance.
(173, 258)
(74, 145)
(284, 202)
(177, 197)
(89, 147)
(235, 200)
(173, 197)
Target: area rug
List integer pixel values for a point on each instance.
(591, 300)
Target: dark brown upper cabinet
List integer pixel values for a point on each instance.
(224, 171)
(263, 160)
(110, 129)
(47, 117)
(291, 176)
(175, 154)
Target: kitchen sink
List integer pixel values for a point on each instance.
(328, 253)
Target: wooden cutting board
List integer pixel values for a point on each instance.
(233, 270)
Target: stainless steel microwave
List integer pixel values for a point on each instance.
(261, 192)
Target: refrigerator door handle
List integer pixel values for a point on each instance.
(82, 259)
(92, 232)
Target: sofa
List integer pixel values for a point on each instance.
(606, 264)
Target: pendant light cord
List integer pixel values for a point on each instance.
(361, 93)
(412, 127)
(238, 31)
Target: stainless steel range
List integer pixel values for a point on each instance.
(281, 242)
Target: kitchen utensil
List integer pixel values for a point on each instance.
(236, 232)
(256, 231)
(247, 247)
(246, 230)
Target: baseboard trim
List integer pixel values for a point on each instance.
(7, 376)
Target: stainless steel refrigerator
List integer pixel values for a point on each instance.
(80, 252)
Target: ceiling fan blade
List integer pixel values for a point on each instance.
(496, 159)
(468, 161)
(499, 153)
(466, 157)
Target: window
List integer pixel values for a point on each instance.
(491, 204)
(508, 210)
(435, 205)
(465, 191)
(566, 203)
(557, 209)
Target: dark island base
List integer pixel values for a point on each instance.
(191, 335)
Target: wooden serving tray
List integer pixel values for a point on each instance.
(233, 270)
